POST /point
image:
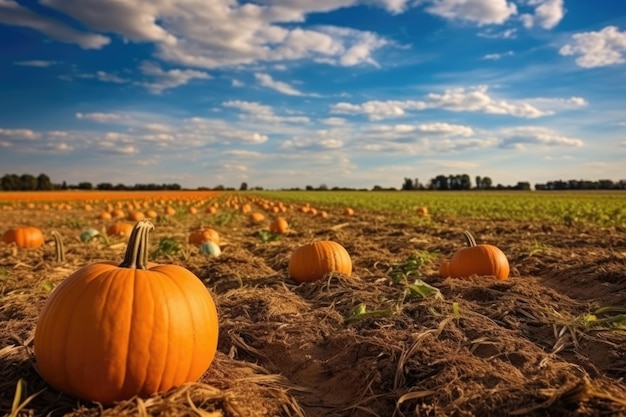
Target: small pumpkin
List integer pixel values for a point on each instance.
(422, 211)
(88, 234)
(120, 229)
(135, 216)
(109, 332)
(210, 248)
(198, 237)
(279, 225)
(476, 259)
(24, 237)
(312, 261)
(256, 217)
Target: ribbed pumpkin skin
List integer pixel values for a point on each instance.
(24, 237)
(479, 260)
(108, 333)
(312, 261)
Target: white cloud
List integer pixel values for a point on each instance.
(266, 80)
(106, 77)
(320, 140)
(235, 167)
(12, 13)
(482, 12)
(518, 137)
(334, 121)
(226, 33)
(165, 80)
(36, 63)
(489, 33)
(199, 131)
(17, 134)
(378, 110)
(547, 14)
(474, 99)
(496, 57)
(60, 147)
(597, 49)
(243, 153)
(134, 20)
(263, 113)
(559, 103)
(237, 83)
(101, 117)
(419, 130)
(445, 128)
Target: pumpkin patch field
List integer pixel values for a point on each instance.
(313, 304)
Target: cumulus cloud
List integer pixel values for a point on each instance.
(266, 80)
(597, 49)
(474, 99)
(217, 33)
(35, 63)
(260, 112)
(489, 33)
(322, 140)
(134, 20)
(11, 13)
(481, 12)
(199, 131)
(334, 121)
(547, 14)
(105, 77)
(497, 57)
(101, 117)
(420, 130)
(17, 134)
(518, 137)
(167, 79)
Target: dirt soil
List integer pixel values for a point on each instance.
(527, 346)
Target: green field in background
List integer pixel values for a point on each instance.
(606, 208)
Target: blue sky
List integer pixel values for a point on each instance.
(288, 93)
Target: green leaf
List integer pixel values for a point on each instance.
(423, 290)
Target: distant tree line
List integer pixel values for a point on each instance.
(459, 182)
(28, 182)
(463, 182)
(582, 185)
(42, 182)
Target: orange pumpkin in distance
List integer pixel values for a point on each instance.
(279, 225)
(120, 229)
(24, 237)
(109, 332)
(422, 211)
(312, 261)
(198, 237)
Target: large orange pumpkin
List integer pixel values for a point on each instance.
(109, 332)
(24, 237)
(312, 261)
(476, 260)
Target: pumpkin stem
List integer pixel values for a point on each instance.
(136, 256)
(469, 239)
(59, 249)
